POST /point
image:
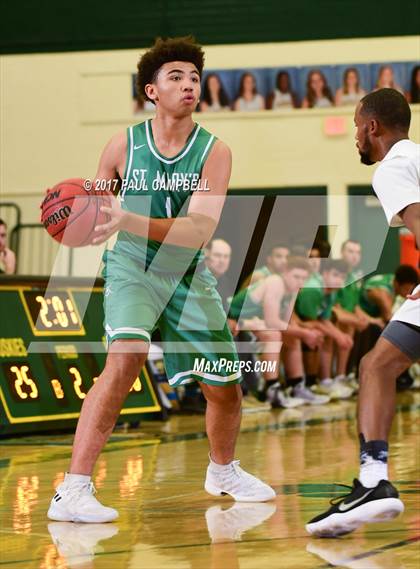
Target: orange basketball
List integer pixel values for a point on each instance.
(70, 213)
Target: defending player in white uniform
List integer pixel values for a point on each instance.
(382, 120)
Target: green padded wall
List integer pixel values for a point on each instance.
(44, 26)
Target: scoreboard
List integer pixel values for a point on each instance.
(50, 355)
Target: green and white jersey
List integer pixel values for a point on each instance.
(243, 305)
(348, 296)
(313, 303)
(159, 187)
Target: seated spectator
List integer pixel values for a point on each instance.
(386, 79)
(248, 98)
(318, 93)
(413, 95)
(314, 308)
(7, 257)
(265, 308)
(378, 293)
(350, 317)
(282, 97)
(213, 96)
(351, 92)
(218, 256)
(276, 262)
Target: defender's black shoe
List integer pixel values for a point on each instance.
(362, 505)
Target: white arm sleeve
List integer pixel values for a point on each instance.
(396, 183)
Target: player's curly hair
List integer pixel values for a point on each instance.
(164, 51)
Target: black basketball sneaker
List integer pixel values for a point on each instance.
(362, 505)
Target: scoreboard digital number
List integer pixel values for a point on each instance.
(44, 389)
(53, 314)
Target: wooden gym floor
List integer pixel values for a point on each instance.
(154, 477)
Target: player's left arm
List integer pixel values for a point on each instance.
(195, 229)
(411, 218)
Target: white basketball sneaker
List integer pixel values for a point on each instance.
(309, 397)
(278, 397)
(229, 525)
(75, 502)
(233, 480)
(334, 389)
(78, 543)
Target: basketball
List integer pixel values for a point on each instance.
(70, 213)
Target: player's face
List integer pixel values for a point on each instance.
(333, 279)
(352, 254)
(3, 237)
(363, 140)
(177, 87)
(277, 260)
(295, 279)
(218, 258)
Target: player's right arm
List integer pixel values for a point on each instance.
(112, 161)
(195, 229)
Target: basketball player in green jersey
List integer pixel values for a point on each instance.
(154, 278)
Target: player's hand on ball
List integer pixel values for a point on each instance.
(116, 214)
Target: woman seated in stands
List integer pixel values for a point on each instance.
(248, 97)
(318, 92)
(386, 79)
(351, 92)
(214, 97)
(282, 97)
(413, 95)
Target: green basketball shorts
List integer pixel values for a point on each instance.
(186, 309)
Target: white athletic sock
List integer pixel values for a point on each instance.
(218, 467)
(372, 471)
(70, 478)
